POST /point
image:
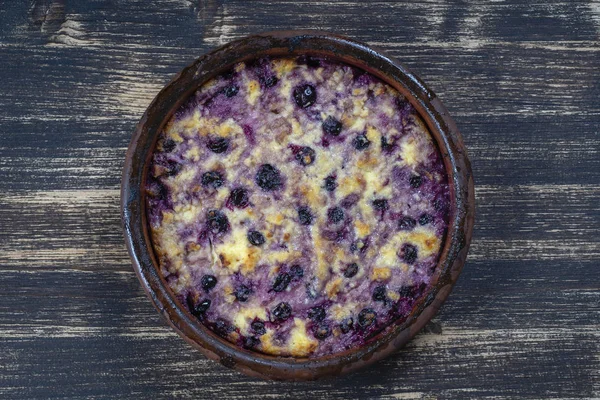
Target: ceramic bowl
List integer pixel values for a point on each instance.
(294, 43)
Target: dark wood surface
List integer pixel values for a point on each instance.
(522, 80)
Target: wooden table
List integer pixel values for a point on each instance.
(522, 80)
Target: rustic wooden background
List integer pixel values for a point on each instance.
(521, 78)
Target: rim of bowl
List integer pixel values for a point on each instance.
(281, 44)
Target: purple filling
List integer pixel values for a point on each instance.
(297, 207)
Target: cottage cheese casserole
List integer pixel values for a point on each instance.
(297, 206)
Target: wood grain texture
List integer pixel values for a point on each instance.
(522, 80)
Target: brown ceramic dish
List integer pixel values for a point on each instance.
(442, 129)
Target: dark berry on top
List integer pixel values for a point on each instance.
(415, 181)
(317, 313)
(172, 168)
(200, 309)
(208, 282)
(367, 317)
(217, 222)
(406, 223)
(330, 183)
(212, 179)
(268, 177)
(346, 324)
(282, 311)
(282, 280)
(222, 327)
(258, 327)
(242, 293)
(231, 91)
(270, 81)
(218, 145)
(385, 145)
(251, 342)
(256, 238)
(406, 291)
(335, 214)
(409, 253)
(306, 156)
(305, 95)
(305, 216)
(361, 142)
(296, 271)
(168, 145)
(322, 331)
(351, 270)
(380, 204)
(425, 219)
(239, 198)
(157, 191)
(379, 293)
(332, 126)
